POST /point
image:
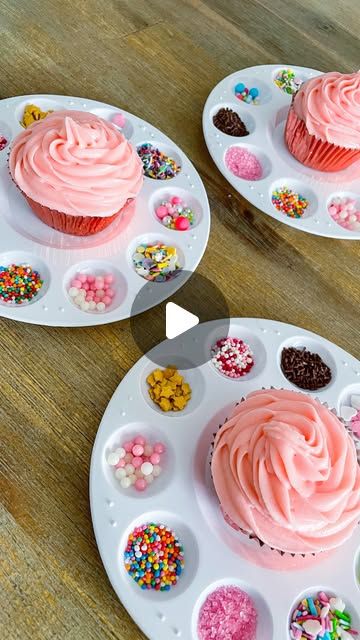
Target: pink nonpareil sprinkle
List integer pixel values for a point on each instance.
(228, 613)
(243, 164)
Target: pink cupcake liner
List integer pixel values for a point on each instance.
(312, 152)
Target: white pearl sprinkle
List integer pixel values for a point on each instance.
(149, 479)
(113, 458)
(92, 305)
(120, 473)
(157, 470)
(125, 482)
(121, 452)
(84, 306)
(129, 468)
(73, 292)
(147, 468)
(100, 306)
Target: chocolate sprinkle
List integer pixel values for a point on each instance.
(305, 369)
(228, 121)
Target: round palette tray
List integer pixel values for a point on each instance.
(266, 123)
(183, 496)
(58, 256)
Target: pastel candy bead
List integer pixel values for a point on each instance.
(155, 458)
(137, 462)
(175, 200)
(132, 478)
(76, 283)
(125, 482)
(138, 473)
(121, 452)
(148, 450)
(107, 300)
(149, 479)
(138, 449)
(73, 292)
(108, 278)
(161, 211)
(129, 468)
(119, 120)
(140, 440)
(156, 470)
(147, 468)
(110, 292)
(92, 305)
(120, 473)
(113, 458)
(121, 464)
(128, 457)
(140, 484)
(159, 447)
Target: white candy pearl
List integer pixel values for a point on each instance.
(125, 483)
(121, 452)
(149, 479)
(129, 468)
(146, 468)
(113, 458)
(92, 305)
(73, 292)
(84, 306)
(100, 306)
(120, 473)
(157, 470)
(78, 300)
(82, 293)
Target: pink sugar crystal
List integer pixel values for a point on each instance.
(243, 164)
(228, 613)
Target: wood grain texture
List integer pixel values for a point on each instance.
(159, 60)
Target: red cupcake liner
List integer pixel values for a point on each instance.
(74, 225)
(312, 152)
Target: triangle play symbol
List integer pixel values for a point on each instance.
(178, 320)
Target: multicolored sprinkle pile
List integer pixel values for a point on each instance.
(154, 557)
(228, 612)
(3, 142)
(175, 214)
(31, 114)
(156, 262)
(345, 213)
(137, 463)
(157, 165)
(289, 202)
(251, 96)
(19, 283)
(232, 357)
(288, 81)
(321, 618)
(92, 292)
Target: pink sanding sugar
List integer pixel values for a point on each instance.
(228, 613)
(243, 164)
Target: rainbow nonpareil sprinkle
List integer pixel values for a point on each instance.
(19, 283)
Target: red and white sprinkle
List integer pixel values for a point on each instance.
(232, 357)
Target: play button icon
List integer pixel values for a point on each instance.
(178, 320)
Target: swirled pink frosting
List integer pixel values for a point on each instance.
(285, 469)
(76, 163)
(330, 107)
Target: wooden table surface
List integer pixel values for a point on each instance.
(158, 59)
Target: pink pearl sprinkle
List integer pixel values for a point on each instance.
(100, 293)
(96, 299)
(110, 292)
(140, 440)
(91, 279)
(89, 298)
(109, 278)
(138, 450)
(82, 277)
(76, 283)
(161, 211)
(155, 458)
(175, 200)
(120, 464)
(228, 612)
(243, 164)
(128, 446)
(159, 447)
(107, 300)
(119, 120)
(85, 285)
(140, 484)
(137, 462)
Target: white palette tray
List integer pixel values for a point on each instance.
(266, 123)
(58, 256)
(183, 497)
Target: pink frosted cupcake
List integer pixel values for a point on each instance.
(286, 473)
(76, 171)
(323, 125)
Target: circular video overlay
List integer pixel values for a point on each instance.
(197, 302)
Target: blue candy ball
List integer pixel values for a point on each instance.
(254, 92)
(239, 88)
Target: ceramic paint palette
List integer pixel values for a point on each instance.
(183, 496)
(58, 256)
(265, 123)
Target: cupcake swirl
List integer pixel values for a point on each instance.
(76, 163)
(330, 107)
(285, 469)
